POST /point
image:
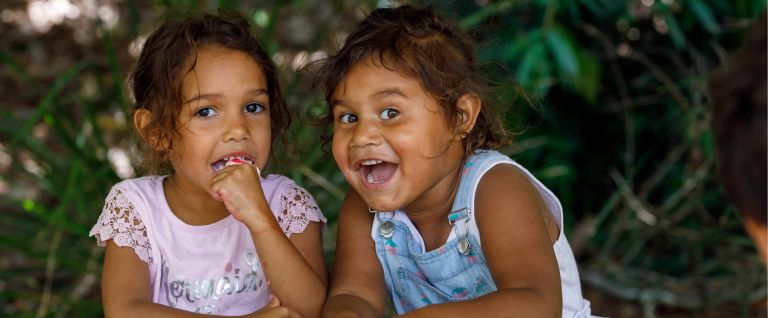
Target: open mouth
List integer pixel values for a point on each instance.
(230, 160)
(376, 171)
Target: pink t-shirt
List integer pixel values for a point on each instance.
(213, 268)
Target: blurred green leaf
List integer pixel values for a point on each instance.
(534, 54)
(489, 10)
(678, 37)
(758, 8)
(563, 50)
(512, 51)
(17, 68)
(703, 13)
(587, 83)
(572, 8)
(592, 6)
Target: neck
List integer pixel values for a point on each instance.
(430, 213)
(191, 205)
(436, 213)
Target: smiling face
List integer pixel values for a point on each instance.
(224, 117)
(391, 140)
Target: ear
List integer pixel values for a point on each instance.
(469, 107)
(141, 119)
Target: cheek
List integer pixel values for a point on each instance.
(424, 143)
(337, 150)
(264, 146)
(176, 148)
(266, 135)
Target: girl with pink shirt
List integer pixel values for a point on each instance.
(214, 237)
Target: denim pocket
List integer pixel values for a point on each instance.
(415, 291)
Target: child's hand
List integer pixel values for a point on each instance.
(273, 302)
(273, 309)
(280, 311)
(239, 188)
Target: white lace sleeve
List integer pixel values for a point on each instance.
(298, 208)
(120, 222)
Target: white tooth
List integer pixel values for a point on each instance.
(371, 162)
(370, 178)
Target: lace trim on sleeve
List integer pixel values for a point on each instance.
(120, 222)
(298, 209)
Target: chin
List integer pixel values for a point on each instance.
(381, 205)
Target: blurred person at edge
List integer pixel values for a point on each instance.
(738, 98)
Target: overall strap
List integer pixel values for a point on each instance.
(474, 168)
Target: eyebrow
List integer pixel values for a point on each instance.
(389, 92)
(253, 92)
(378, 95)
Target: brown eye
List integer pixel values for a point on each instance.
(254, 108)
(389, 113)
(205, 112)
(347, 118)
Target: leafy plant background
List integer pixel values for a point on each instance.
(615, 121)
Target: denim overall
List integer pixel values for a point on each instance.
(456, 271)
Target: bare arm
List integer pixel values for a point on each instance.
(295, 268)
(518, 247)
(357, 289)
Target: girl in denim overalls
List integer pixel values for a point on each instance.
(434, 218)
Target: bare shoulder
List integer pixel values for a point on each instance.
(518, 200)
(512, 220)
(508, 186)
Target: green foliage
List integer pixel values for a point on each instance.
(620, 133)
(624, 140)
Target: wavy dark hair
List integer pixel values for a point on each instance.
(170, 52)
(420, 44)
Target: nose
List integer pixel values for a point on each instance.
(365, 134)
(236, 129)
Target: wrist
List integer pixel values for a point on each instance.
(258, 217)
(263, 226)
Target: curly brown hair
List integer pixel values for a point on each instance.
(420, 44)
(170, 52)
